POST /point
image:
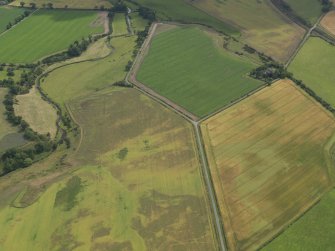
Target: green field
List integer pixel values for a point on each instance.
(75, 80)
(9, 136)
(46, 32)
(76, 4)
(137, 22)
(134, 183)
(119, 24)
(186, 66)
(313, 231)
(180, 10)
(269, 162)
(309, 10)
(261, 25)
(313, 65)
(7, 15)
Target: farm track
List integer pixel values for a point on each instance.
(307, 35)
(194, 120)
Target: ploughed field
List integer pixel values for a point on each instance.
(46, 32)
(328, 22)
(135, 184)
(314, 66)
(187, 66)
(269, 156)
(261, 25)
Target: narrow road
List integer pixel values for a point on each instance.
(307, 35)
(194, 120)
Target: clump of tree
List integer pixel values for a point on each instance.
(74, 50)
(119, 6)
(147, 13)
(270, 72)
(123, 83)
(326, 5)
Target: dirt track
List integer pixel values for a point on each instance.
(194, 120)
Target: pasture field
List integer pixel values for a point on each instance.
(16, 77)
(9, 135)
(309, 10)
(69, 82)
(328, 22)
(119, 25)
(75, 4)
(38, 113)
(135, 185)
(46, 32)
(181, 11)
(269, 161)
(314, 231)
(7, 15)
(313, 64)
(187, 66)
(261, 25)
(137, 22)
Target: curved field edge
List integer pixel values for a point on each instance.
(261, 24)
(203, 80)
(127, 174)
(229, 177)
(46, 36)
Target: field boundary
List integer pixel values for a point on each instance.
(5, 31)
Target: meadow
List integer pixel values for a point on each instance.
(328, 22)
(7, 15)
(119, 24)
(75, 4)
(46, 32)
(309, 10)
(72, 81)
(137, 22)
(317, 76)
(181, 11)
(9, 135)
(313, 231)
(185, 65)
(38, 113)
(269, 161)
(135, 184)
(261, 25)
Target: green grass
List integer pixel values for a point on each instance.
(185, 65)
(262, 27)
(7, 15)
(309, 10)
(119, 25)
(45, 32)
(137, 22)
(179, 10)
(313, 231)
(313, 65)
(152, 198)
(69, 82)
(16, 77)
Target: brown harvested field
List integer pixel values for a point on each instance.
(269, 160)
(328, 22)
